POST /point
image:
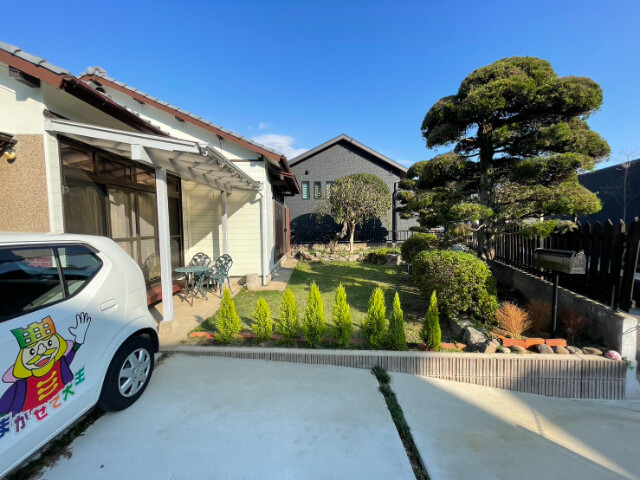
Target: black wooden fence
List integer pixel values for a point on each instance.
(611, 251)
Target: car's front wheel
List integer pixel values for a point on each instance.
(128, 375)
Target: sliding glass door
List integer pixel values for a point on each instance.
(109, 196)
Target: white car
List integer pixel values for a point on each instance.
(75, 330)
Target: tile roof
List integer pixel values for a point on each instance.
(41, 62)
(101, 73)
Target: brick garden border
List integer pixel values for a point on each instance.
(567, 376)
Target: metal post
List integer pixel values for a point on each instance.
(554, 303)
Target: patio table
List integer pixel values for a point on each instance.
(195, 277)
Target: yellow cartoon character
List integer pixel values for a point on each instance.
(42, 367)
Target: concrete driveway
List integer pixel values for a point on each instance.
(471, 431)
(218, 418)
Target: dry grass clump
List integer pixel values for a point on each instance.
(572, 323)
(513, 320)
(539, 314)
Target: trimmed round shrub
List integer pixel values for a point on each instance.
(462, 281)
(418, 242)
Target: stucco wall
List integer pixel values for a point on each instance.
(23, 188)
(339, 160)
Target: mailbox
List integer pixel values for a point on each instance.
(563, 261)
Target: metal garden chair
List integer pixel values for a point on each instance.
(220, 273)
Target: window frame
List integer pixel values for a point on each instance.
(61, 278)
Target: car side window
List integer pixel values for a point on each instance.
(35, 277)
(29, 279)
(79, 265)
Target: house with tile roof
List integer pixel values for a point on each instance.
(318, 168)
(90, 154)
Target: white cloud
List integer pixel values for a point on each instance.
(263, 125)
(280, 143)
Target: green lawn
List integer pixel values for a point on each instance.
(359, 280)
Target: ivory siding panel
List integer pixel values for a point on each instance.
(202, 221)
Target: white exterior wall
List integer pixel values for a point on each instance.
(202, 208)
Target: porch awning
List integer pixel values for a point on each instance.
(190, 160)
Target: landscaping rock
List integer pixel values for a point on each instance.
(613, 355)
(393, 259)
(545, 349)
(490, 346)
(560, 350)
(458, 326)
(504, 349)
(574, 350)
(532, 342)
(305, 256)
(518, 349)
(474, 339)
(353, 258)
(592, 351)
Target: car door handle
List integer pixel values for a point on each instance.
(108, 304)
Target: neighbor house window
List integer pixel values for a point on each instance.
(305, 190)
(317, 190)
(328, 188)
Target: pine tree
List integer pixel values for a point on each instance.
(342, 324)
(396, 336)
(227, 319)
(289, 323)
(430, 331)
(314, 325)
(375, 323)
(262, 322)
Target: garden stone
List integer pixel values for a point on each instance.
(518, 349)
(353, 258)
(305, 256)
(490, 346)
(252, 281)
(393, 259)
(474, 339)
(542, 348)
(561, 350)
(504, 349)
(574, 350)
(591, 351)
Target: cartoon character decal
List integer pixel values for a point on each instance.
(42, 373)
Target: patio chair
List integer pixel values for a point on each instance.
(220, 272)
(200, 259)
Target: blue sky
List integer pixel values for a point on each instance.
(296, 74)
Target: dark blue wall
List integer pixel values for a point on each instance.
(340, 159)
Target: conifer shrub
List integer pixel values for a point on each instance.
(262, 321)
(463, 283)
(416, 243)
(289, 323)
(375, 324)
(396, 336)
(430, 331)
(342, 324)
(227, 320)
(314, 325)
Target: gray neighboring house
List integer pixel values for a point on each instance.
(317, 168)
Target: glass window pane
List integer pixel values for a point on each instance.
(148, 214)
(84, 208)
(75, 157)
(174, 216)
(317, 190)
(176, 253)
(121, 212)
(79, 265)
(305, 190)
(328, 188)
(151, 259)
(173, 183)
(29, 280)
(115, 169)
(146, 177)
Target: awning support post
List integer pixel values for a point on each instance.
(225, 224)
(165, 244)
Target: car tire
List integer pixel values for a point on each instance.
(128, 375)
